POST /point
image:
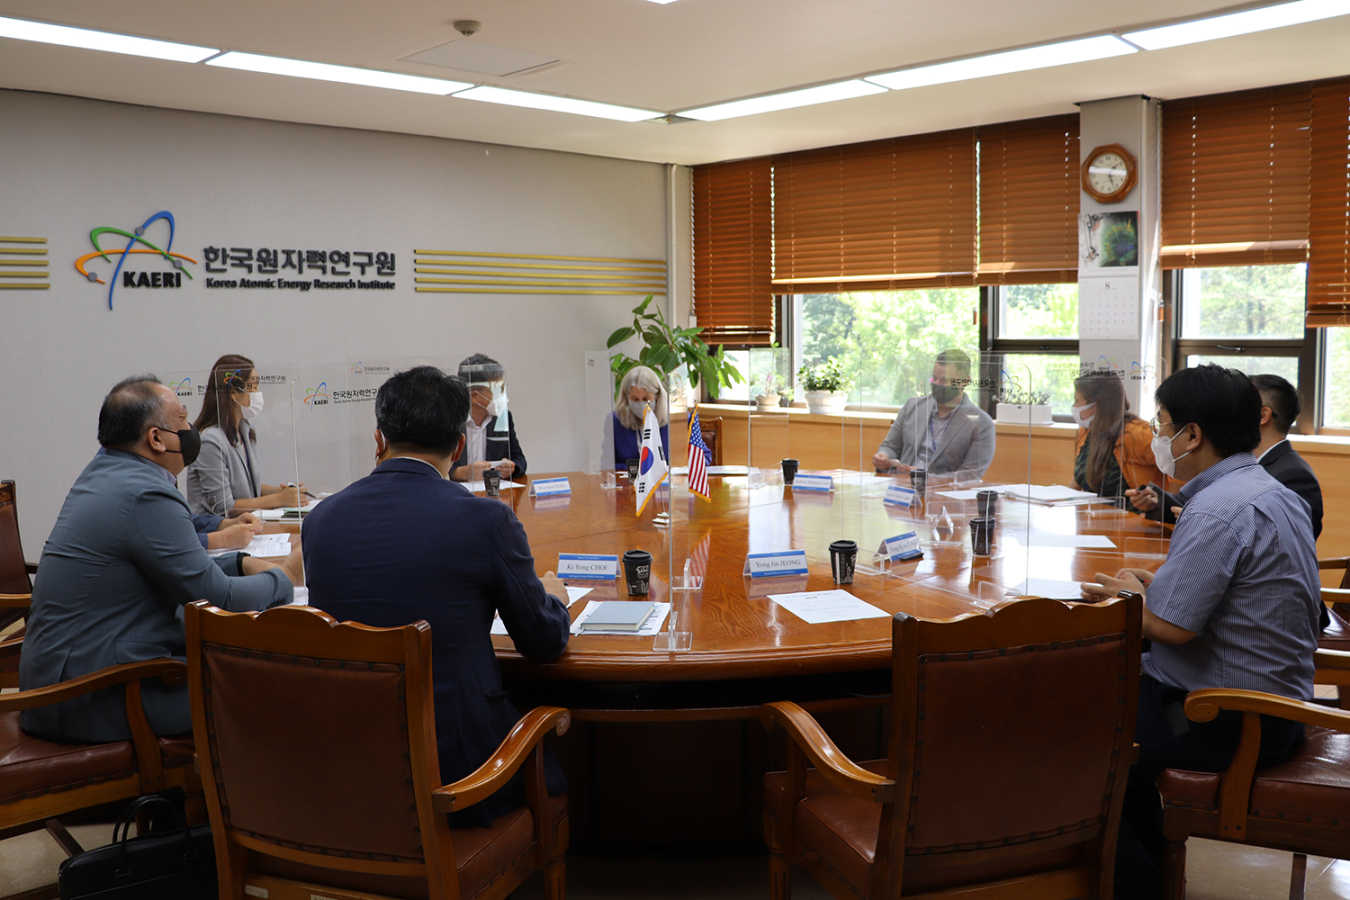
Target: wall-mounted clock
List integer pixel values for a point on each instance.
(1109, 173)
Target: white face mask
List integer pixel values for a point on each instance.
(255, 404)
(1078, 417)
(638, 407)
(1162, 454)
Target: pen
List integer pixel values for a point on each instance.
(307, 493)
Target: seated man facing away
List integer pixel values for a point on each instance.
(490, 435)
(1235, 604)
(405, 543)
(943, 432)
(121, 562)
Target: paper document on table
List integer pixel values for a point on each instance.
(819, 607)
(476, 486)
(973, 492)
(1083, 541)
(263, 545)
(649, 627)
(1048, 493)
(1053, 588)
(573, 595)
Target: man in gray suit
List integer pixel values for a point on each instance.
(943, 432)
(121, 562)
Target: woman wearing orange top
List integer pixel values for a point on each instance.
(1114, 450)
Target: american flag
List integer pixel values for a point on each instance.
(698, 458)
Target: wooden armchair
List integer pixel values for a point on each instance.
(1301, 805)
(1337, 634)
(41, 780)
(1011, 739)
(16, 590)
(712, 436)
(321, 770)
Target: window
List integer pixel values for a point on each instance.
(1336, 400)
(1038, 311)
(1035, 328)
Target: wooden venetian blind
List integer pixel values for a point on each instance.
(1235, 182)
(1329, 217)
(1029, 201)
(896, 213)
(733, 251)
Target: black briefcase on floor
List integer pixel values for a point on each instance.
(179, 864)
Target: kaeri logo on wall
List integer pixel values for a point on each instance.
(146, 266)
(182, 388)
(317, 396)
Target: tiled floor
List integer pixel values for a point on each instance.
(1214, 872)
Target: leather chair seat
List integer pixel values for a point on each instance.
(840, 827)
(481, 854)
(31, 766)
(1336, 636)
(1311, 786)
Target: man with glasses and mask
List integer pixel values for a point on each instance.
(121, 562)
(942, 432)
(1235, 604)
(490, 436)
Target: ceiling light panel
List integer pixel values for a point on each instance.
(299, 68)
(825, 93)
(1026, 59)
(1247, 22)
(557, 104)
(85, 39)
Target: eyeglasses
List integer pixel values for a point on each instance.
(1154, 425)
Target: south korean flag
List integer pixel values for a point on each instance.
(651, 461)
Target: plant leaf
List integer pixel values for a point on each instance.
(619, 336)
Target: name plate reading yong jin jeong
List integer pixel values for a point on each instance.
(823, 483)
(897, 495)
(547, 486)
(900, 548)
(772, 565)
(587, 567)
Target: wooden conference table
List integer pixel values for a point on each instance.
(667, 751)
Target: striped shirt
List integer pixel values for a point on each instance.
(1242, 574)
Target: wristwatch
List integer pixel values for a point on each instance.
(1129, 595)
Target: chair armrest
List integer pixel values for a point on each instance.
(15, 601)
(170, 671)
(1334, 562)
(1204, 705)
(11, 648)
(492, 775)
(30, 567)
(828, 759)
(1335, 595)
(1333, 660)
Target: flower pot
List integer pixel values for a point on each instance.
(766, 401)
(830, 403)
(1024, 414)
(785, 402)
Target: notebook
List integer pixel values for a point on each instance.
(619, 615)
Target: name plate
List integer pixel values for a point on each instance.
(813, 483)
(772, 565)
(899, 496)
(900, 548)
(587, 567)
(547, 486)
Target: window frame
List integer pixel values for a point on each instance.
(991, 327)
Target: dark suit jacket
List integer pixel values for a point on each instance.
(1289, 469)
(499, 446)
(404, 544)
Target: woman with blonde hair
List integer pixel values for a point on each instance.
(641, 387)
(1114, 450)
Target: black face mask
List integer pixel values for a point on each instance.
(945, 393)
(189, 444)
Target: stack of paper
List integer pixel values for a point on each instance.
(263, 545)
(820, 607)
(1050, 494)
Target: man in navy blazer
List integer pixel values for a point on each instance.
(405, 543)
(490, 434)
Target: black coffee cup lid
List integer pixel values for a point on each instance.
(844, 546)
(636, 554)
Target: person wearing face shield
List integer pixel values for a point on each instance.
(226, 476)
(490, 435)
(641, 387)
(1114, 446)
(121, 562)
(943, 432)
(1235, 604)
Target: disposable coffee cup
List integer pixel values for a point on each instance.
(918, 479)
(492, 482)
(982, 536)
(987, 501)
(843, 558)
(789, 471)
(637, 571)
(632, 471)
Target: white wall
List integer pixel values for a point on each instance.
(72, 165)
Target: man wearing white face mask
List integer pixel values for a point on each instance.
(490, 434)
(1234, 606)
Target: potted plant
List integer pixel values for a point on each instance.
(826, 387)
(786, 396)
(665, 349)
(766, 392)
(1022, 407)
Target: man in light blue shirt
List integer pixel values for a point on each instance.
(1235, 605)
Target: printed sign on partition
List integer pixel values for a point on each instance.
(772, 565)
